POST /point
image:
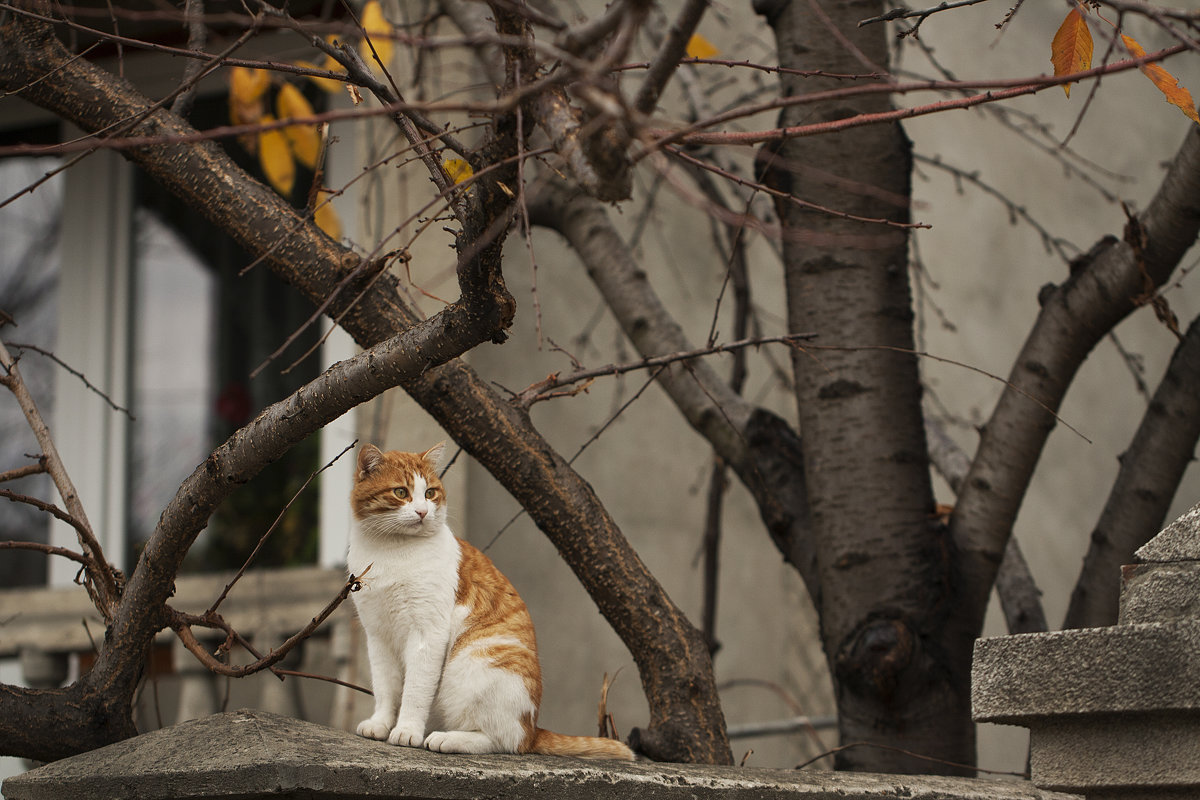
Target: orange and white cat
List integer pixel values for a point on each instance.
(454, 663)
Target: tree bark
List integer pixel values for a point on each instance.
(882, 558)
(1020, 598)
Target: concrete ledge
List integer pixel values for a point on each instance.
(1160, 592)
(1149, 751)
(251, 754)
(1179, 541)
(1146, 667)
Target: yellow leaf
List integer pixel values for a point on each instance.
(247, 84)
(327, 85)
(379, 31)
(305, 139)
(1167, 83)
(1071, 49)
(275, 158)
(699, 47)
(246, 89)
(325, 217)
(458, 169)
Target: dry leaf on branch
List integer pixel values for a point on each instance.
(1071, 48)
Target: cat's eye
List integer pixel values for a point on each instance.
(401, 492)
(430, 494)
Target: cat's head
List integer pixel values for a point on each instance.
(399, 494)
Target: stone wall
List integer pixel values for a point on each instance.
(254, 754)
(1112, 712)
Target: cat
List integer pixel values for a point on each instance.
(454, 663)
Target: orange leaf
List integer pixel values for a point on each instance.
(1167, 83)
(699, 47)
(1071, 49)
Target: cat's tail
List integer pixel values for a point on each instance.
(549, 743)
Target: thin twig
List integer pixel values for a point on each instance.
(83, 378)
(106, 593)
(1051, 242)
(22, 472)
(943, 360)
(921, 15)
(263, 540)
(608, 422)
(535, 392)
(48, 549)
(311, 676)
(42, 505)
(786, 196)
(991, 91)
(182, 624)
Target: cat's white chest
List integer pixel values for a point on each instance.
(410, 587)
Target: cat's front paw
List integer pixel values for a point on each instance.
(407, 736)
(461, 742)
(373, 729)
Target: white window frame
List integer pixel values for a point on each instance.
(95, 336)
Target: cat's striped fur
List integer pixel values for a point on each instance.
(454, 663)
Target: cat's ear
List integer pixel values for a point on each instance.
(434, 455)
(369, 459)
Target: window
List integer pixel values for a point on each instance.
(29, 261)
(133, 289)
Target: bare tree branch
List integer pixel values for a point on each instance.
(48, 549)
(1161, 451)
(471, 19)
(1104, 287)
(193, 13)
(182, 625)
(758, 445)
(670, 52)
(1020, 598)
(24, 472)
(579, 39)
(539, 391)
(102, 580)
(921, 15)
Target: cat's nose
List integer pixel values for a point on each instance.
(421, 513)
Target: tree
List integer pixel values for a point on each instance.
(901, 592)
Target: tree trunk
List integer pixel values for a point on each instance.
(882, 558)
